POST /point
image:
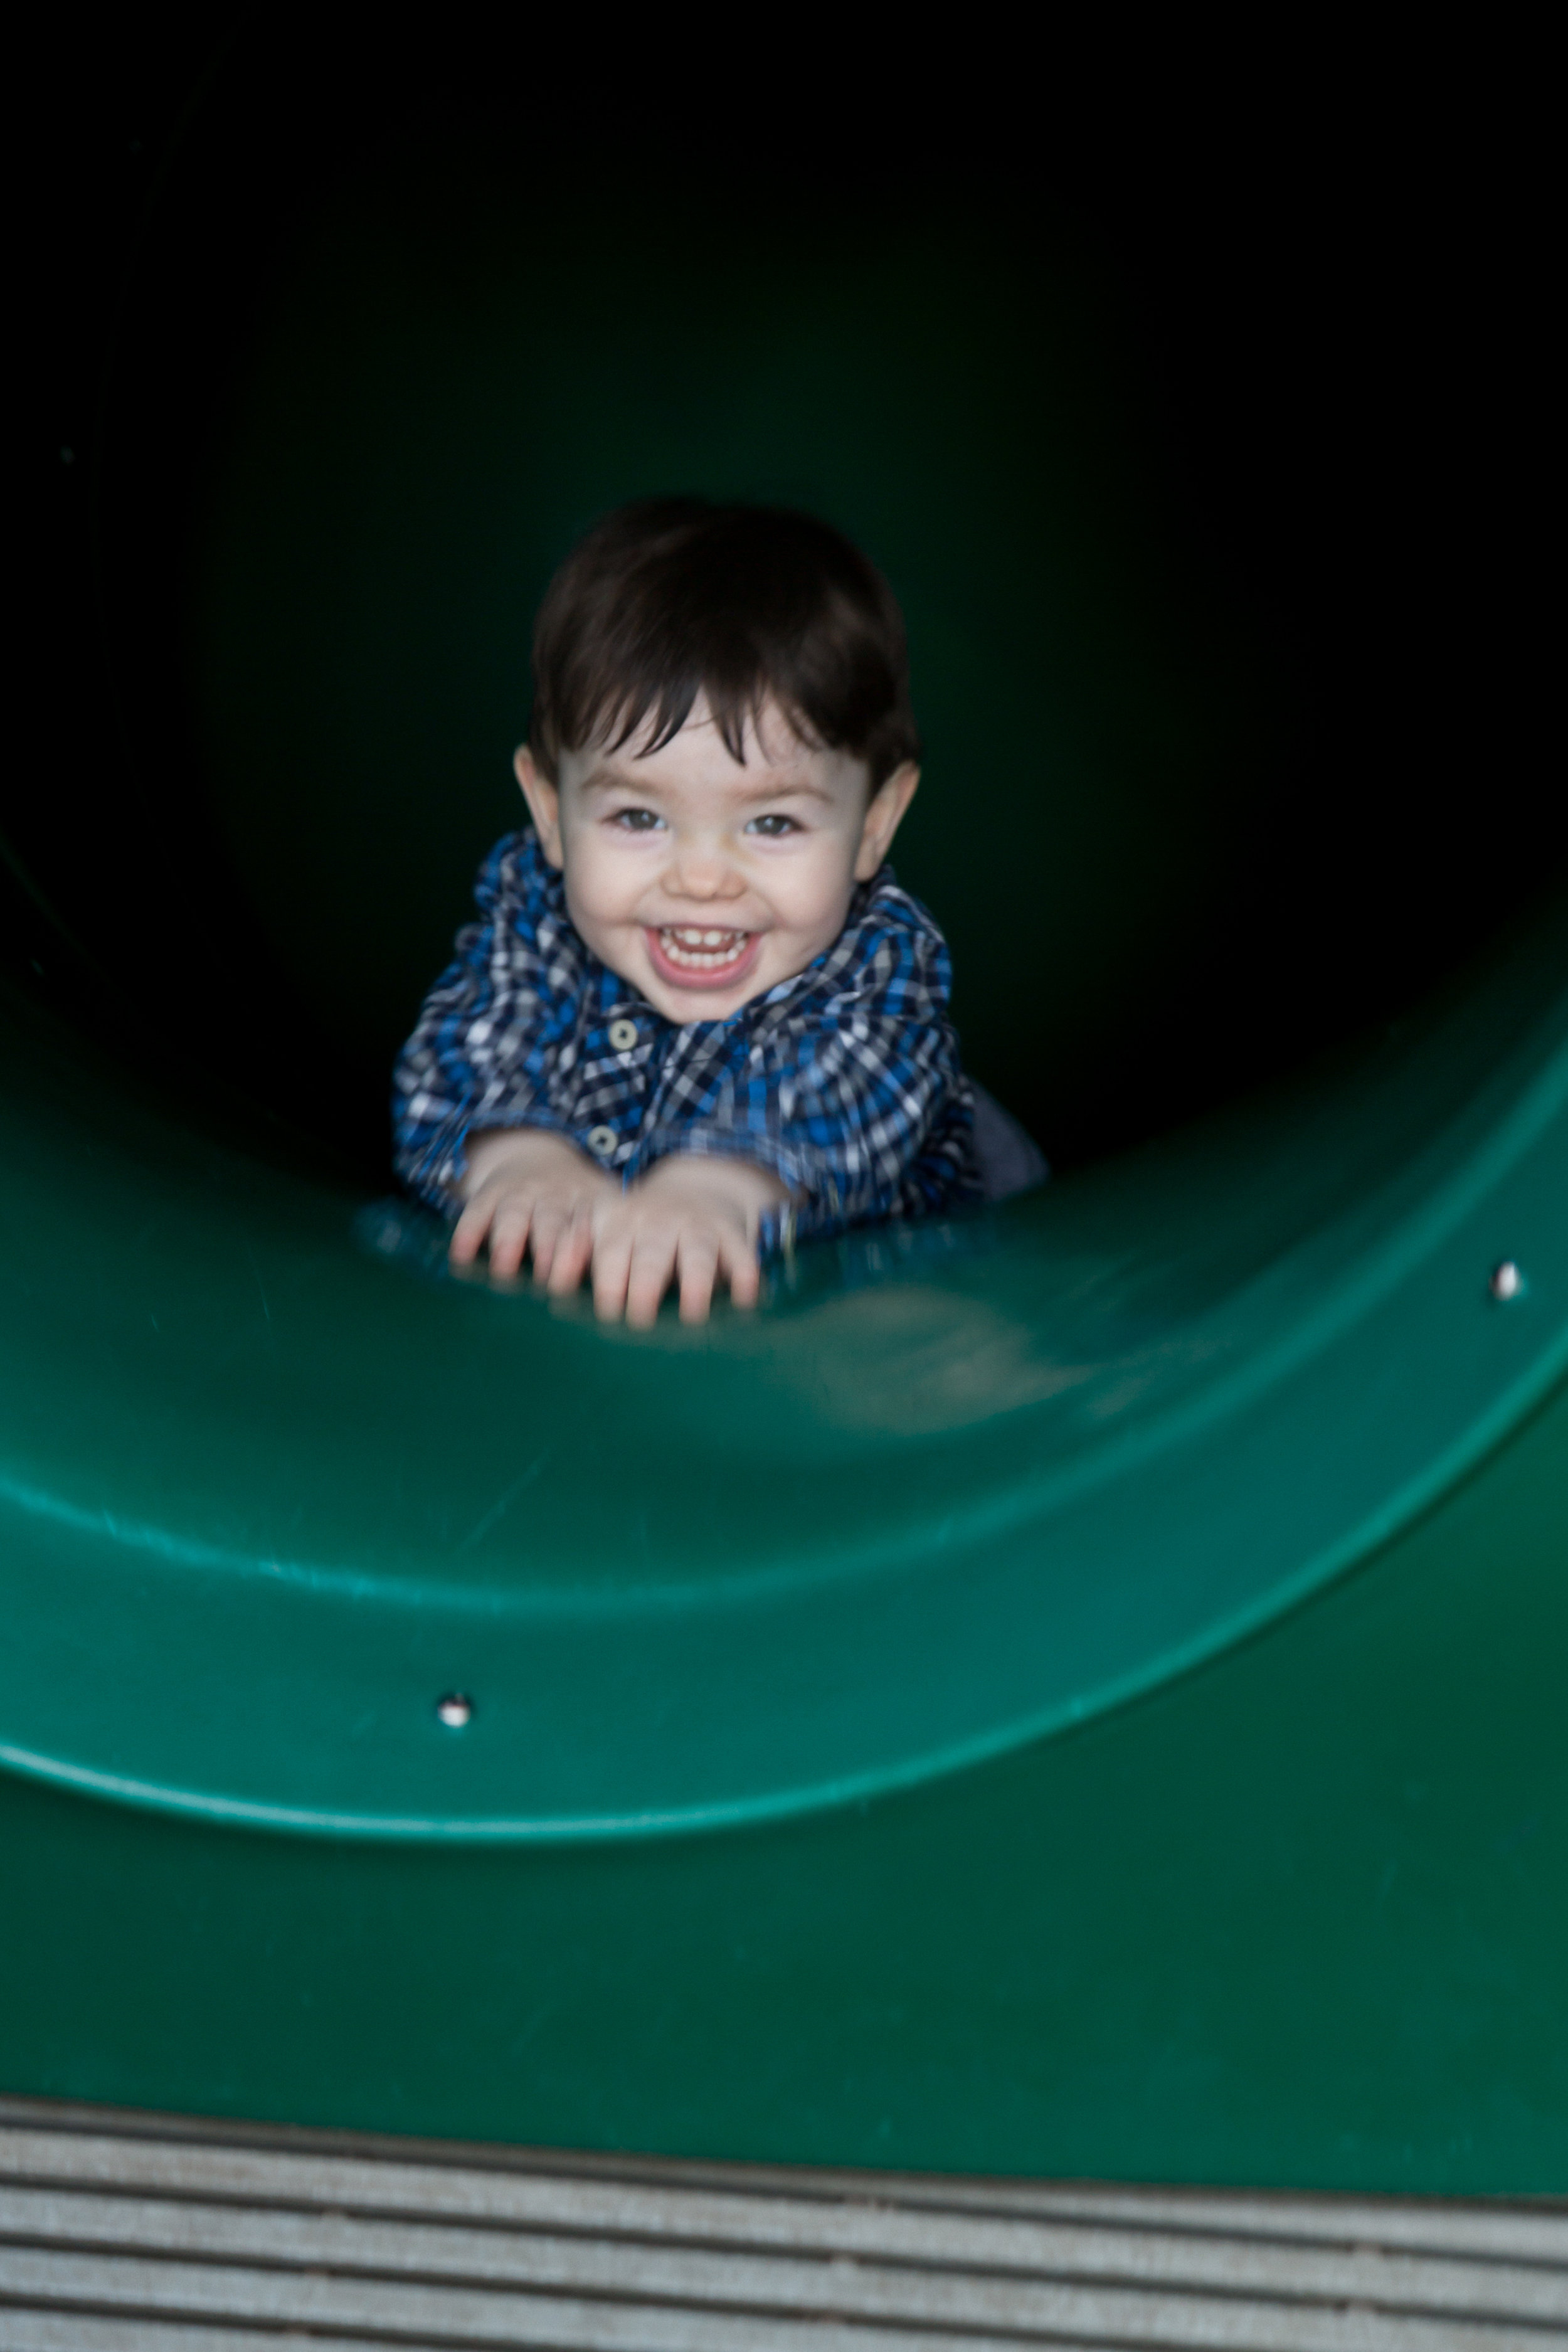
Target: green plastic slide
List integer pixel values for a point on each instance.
(1072, 1689)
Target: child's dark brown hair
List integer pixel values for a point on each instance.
(672, 597)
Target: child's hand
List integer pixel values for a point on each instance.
(692, 1220)
(526, 1189)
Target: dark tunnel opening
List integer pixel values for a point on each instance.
(1202, 488)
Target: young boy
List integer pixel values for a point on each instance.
(699, 1009)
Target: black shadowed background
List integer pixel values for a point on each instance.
(1204, 459)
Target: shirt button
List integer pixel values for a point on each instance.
(622, 1035)
(602, 1141)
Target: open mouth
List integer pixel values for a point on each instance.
(695, 955)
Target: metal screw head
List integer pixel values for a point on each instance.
(1507, 1281)
(454, 1710)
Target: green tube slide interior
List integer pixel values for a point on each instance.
(1068, 1689)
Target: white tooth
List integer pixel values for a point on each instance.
(703, 950)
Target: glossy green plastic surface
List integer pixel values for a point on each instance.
(1296, 1918)
(1009, 1472)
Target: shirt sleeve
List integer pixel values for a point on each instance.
(480, 1054)
(848, 1094)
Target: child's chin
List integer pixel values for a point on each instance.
(686, 1004)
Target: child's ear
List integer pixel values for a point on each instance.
(543, 800)
(883, 818)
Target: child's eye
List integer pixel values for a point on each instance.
(774, 827)
(636, 820)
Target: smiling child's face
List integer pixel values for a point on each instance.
(705, 882)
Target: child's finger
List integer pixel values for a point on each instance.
(742, 1272)
(612, 1270)
(469, 1231)
(569, 1256)
(509, 1236)
(652, 1266)
(698, 1259)
(551, 1223)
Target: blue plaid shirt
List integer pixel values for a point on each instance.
(843, 1080)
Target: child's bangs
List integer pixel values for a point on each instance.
(651, 713)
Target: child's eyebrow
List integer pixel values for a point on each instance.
(617, 780)
(798, 788)
(609, 779)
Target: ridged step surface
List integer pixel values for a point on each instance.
(128, 2233)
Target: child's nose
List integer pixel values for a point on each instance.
(703, 869)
